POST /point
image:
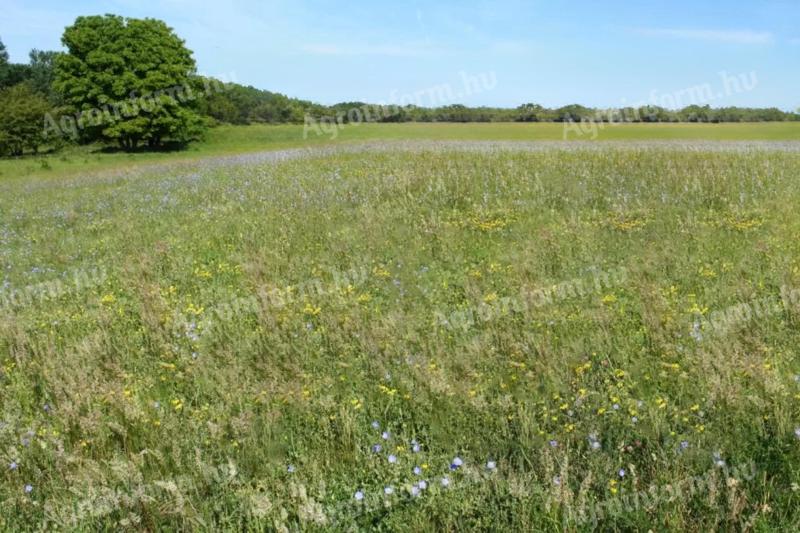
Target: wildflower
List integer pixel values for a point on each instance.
(359, 495)
(13, 465)
(445, 481)
(684, 444)
(417, 470)
(557, 481)
(375, 424)
(28, 489)
(376, 448)
(718, 461)
(415, 447)
(415, 491)
(615, 407)
(491, 465)
(456, 463)
(392, 458)
(423, 484)
(388, 490)
(553, 443)
(595, 445)
(621, 472)
(634, 419)
(385, 435)
(290, 468)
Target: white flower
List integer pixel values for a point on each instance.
(359, 495)
(491, 465)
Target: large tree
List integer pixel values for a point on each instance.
(22, 113)
(128, 80)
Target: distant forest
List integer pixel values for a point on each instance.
(133, 83)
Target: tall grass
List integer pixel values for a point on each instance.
(265, 349)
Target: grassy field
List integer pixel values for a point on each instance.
(240, 139)
(414, 341)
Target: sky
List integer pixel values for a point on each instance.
(606, 53)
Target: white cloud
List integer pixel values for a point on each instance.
(721, 36)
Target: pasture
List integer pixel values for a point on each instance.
(405, 336)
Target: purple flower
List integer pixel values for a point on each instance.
(28, 489)
(553, 443)
(417, 470)
(13, 465)
(392, 458)
(376, 448)
(684, 444)
(359, 495)
(621, 472)
(456, 463)
(385, 435)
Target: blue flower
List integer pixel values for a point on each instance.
(28, 489)
(376, 448)
(423, 484)
(13, 465)
(417, 470)
(621, 472)
(385, 435)
(553, 443)
(392, 458)
(684, 444)
(359, 495)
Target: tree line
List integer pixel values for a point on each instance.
(133, 83)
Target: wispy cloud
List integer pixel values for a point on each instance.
(392, 50)
(720, 36)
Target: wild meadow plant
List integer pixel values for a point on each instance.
(263, 351)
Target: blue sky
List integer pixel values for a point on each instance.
(598, 53)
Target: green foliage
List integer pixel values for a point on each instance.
(42, 73)
(129, 80)
(22, 113)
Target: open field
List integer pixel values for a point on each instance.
(226, 140)
(557, 338)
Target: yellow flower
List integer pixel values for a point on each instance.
(311, 310)
(108, 299)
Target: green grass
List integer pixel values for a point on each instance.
(230, 322)
(239, 139)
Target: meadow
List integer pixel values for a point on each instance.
(410, 338)
(228, 140)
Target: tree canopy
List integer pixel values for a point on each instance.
(129, 80)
